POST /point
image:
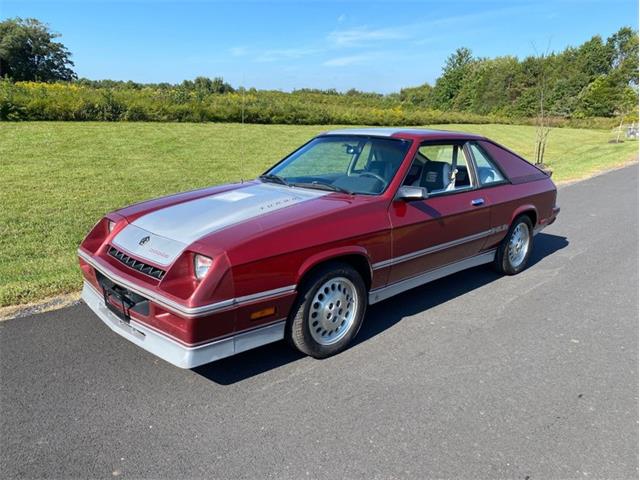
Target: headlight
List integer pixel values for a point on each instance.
(111, 225)
(201, 265)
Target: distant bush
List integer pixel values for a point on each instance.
(215, 102)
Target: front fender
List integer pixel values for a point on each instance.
(332, 254)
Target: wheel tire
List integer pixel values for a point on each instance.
(346, 283)
(511, 259)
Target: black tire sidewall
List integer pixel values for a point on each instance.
(299, 320)
(505, 263)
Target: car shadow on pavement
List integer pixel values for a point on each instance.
(379, 318)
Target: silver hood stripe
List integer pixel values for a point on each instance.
(161, 236)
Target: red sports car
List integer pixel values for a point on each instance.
(351, 218)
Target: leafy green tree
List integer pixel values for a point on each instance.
(28, 51)
(449, 84)
(420, 95)
(490, 86)
(204, 86)
(624, 59)
(598, 99)
(593, 58)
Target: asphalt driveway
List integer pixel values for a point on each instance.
(473, 376)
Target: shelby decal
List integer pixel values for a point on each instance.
(155, 251)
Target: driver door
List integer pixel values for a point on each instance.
(450, 225)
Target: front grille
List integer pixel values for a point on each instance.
(136, 264)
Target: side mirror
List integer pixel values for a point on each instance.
(409, 193)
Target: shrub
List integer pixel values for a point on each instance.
(84, 101)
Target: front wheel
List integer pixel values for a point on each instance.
(514, 251)
(328, 312)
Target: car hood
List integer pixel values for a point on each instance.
(162, 235)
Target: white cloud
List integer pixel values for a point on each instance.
(346, 61)
(350, 41)
(359, 36)
(365, 35)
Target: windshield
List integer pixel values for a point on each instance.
(349, 163)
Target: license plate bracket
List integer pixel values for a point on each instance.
(119, 296)
(120, 300)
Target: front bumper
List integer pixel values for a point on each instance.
(180, 355)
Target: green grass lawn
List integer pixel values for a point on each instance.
(58, 179)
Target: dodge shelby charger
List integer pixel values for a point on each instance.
(351, 218)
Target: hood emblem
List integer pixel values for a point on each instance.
(144, 240)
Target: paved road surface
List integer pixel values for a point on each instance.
(474, 376)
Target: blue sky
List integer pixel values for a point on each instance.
(369, 45)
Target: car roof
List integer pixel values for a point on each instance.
(408, 133)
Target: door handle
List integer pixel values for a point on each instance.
(477, 202)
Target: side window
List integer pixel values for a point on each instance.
(488, 173)
(440, 168)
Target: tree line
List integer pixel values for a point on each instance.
(598, 79)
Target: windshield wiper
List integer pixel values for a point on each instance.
(272, 177)
(323, 186)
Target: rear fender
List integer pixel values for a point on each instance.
(525, 209)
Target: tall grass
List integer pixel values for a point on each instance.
(75, 102)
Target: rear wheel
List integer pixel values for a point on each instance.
(328, 312)
(514, 251)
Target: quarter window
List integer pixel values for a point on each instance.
(488, 173)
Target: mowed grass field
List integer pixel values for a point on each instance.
(58, 179)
